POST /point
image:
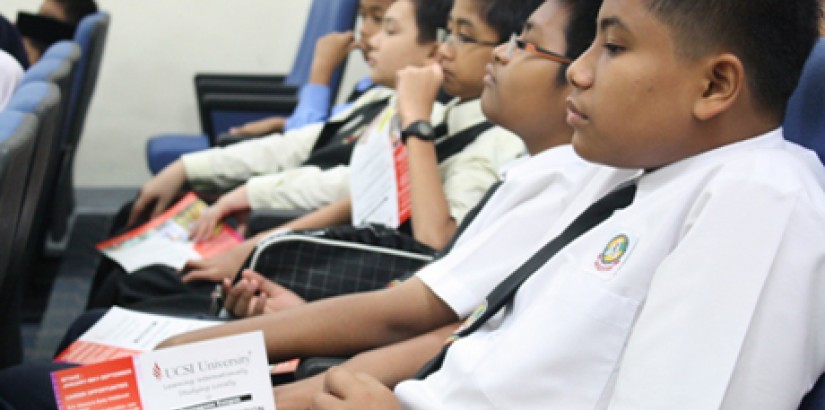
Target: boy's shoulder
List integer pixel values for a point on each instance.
(372, 95)
(766, 167)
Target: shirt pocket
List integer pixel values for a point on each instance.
(562, 346)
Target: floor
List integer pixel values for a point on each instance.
(61, 281)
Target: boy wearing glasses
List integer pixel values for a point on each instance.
(706, 291)
(702, 293)
(442, 191)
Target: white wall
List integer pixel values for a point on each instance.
(153, 50)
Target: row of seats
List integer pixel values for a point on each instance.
(39, 133)
(229, 100)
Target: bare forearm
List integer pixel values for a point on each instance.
(336, 213)
(341, 326)
(390, 365)
(400, 361)
(431, 220)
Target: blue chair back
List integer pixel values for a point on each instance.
(17, 134)
(43, 100)
(63, 50)
(57, 71)
(90, 35)
(805, 116)
(325, 16)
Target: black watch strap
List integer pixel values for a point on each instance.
(420, 129)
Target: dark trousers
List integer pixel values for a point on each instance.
(29, 385)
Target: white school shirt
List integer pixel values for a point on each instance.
(705, 293)
(537, 189)
(222, 168)
(10, 75)
(465, 176)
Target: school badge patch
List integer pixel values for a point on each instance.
(613, 253)
(468, 322)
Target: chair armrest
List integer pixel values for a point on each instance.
(314, 365)
(257, 84)
(261, 220)
(250, 102)
(205, 78)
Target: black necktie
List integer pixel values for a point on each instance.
(506, 290)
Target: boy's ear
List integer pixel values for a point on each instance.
(724, 84)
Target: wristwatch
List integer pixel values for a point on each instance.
(420, 129)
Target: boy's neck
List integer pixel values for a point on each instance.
(743, 121)
(540, 143)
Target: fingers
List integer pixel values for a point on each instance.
(197, 270)
(160, 206)
(339, 382)
(326, 401)
(243, 295)
(203, 228)
(258, 306)
(344, 390)
(196, 275)
(138, 207)
(265, 284)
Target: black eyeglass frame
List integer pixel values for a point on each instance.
(445, 35)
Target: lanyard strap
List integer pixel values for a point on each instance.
(506, 290)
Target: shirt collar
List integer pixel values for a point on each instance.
(551, 158)
(769, 139)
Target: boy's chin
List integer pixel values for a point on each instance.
(379, 79)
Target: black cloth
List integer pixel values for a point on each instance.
(337, 139)
(504, 293)
(11, 42)
(44, 30)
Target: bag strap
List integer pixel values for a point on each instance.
(326, 153)
(458, 142)
(505, 292)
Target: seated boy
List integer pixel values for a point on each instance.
(524, 82)
(702, 293)
(702, 321)
(442, 190)
(315, 97)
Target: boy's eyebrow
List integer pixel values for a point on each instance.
(462, 22)
(609, 22)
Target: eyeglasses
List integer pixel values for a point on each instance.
(457, 39)
(531, 48)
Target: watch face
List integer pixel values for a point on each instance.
(420, 129)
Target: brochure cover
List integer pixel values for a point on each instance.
(164, 240)
(229, 373)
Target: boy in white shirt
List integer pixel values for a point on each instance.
(704, 292)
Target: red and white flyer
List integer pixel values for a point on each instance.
(379, 174)
(122, 333)
(229, 373)
(164, 240)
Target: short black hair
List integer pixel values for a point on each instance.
(580, 30)
(431, 15)
(77, 9)
(506, 16)
(772, 38)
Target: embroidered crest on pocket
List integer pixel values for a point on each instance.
(613, 253)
